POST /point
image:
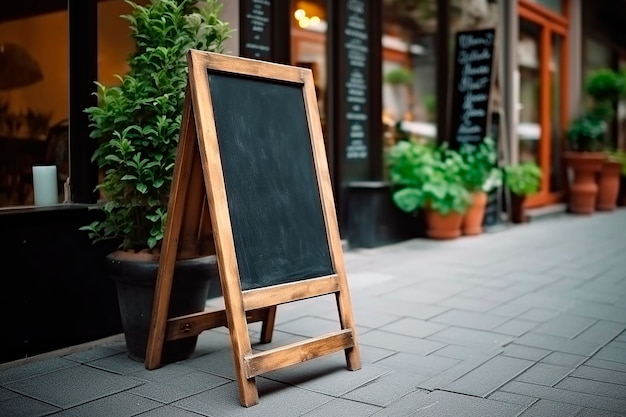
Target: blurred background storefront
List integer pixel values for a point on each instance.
(379, 66)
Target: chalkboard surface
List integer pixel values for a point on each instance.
(471, 88)
(270, 180)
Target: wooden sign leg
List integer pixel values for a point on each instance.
(175, 212)
(353, 357)
(267, 329)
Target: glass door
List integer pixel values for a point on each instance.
(542, 88)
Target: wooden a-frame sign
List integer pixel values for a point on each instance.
(251, 179)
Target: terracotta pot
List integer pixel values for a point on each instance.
(135, 280)
(473, 219)
(608, 185)
(583, 189)
(443, 226)
(518, 214)
(621, 200)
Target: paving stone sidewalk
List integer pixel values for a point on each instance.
(527, 321)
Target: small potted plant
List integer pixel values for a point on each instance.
(429, 177)
(521, 180)
(586, 135)
(479, 179)
(137, 126)
(605, 84)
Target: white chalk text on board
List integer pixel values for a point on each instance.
(258, 20)
(472, 85)
(356, 82)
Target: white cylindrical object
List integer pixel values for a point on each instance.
(45, 185)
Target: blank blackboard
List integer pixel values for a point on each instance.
(269, 175)
(251, 173)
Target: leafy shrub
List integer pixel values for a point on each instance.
(137, 123)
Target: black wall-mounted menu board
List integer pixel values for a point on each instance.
(471, 88)
(354, 85)
(256, 29)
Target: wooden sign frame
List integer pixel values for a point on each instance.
(199, 212)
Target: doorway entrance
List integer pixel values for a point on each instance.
(542, 98)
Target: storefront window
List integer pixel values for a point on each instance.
(34, 95)
(409, 69)
(528, 127)
(308, 45)
(33, 100)
(554, 5)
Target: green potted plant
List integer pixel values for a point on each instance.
(605, 84)
(521, 180)
(586, 136)
(429, 177)
(480, 176)
(137, 126)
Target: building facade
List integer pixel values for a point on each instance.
(378, 65)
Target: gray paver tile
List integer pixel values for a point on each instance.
(327, 375)
(612, 354)
(400, 343)
(123, 404)
(386, 389)
(459, 352)
(605, 364)
(371, 354)
(565, 325)
(423, 365)
(223, 401)
(25, 407)
(557, 343)
(168, 390)
(565, 396)
(601, 312)
(168, 411)
(593, 387)
(524, 352)
(414, 327)
(594, 412)
(602, 331)
(564, 359)
(598, 374)
(509, 397)
(584, 294)
(120, 364)
(544, 374)
(6, 394)
(489, 376)
(372, 320)
(538, 314)
(469, 319)
(344, 408)
(309, 326)
(470, 337)
(447, 404)
(72, 386)
(543, 408)
(471, 304)
(516, 327)
(92, 354)
(509, 310)
(417, 295)
(34, 368)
